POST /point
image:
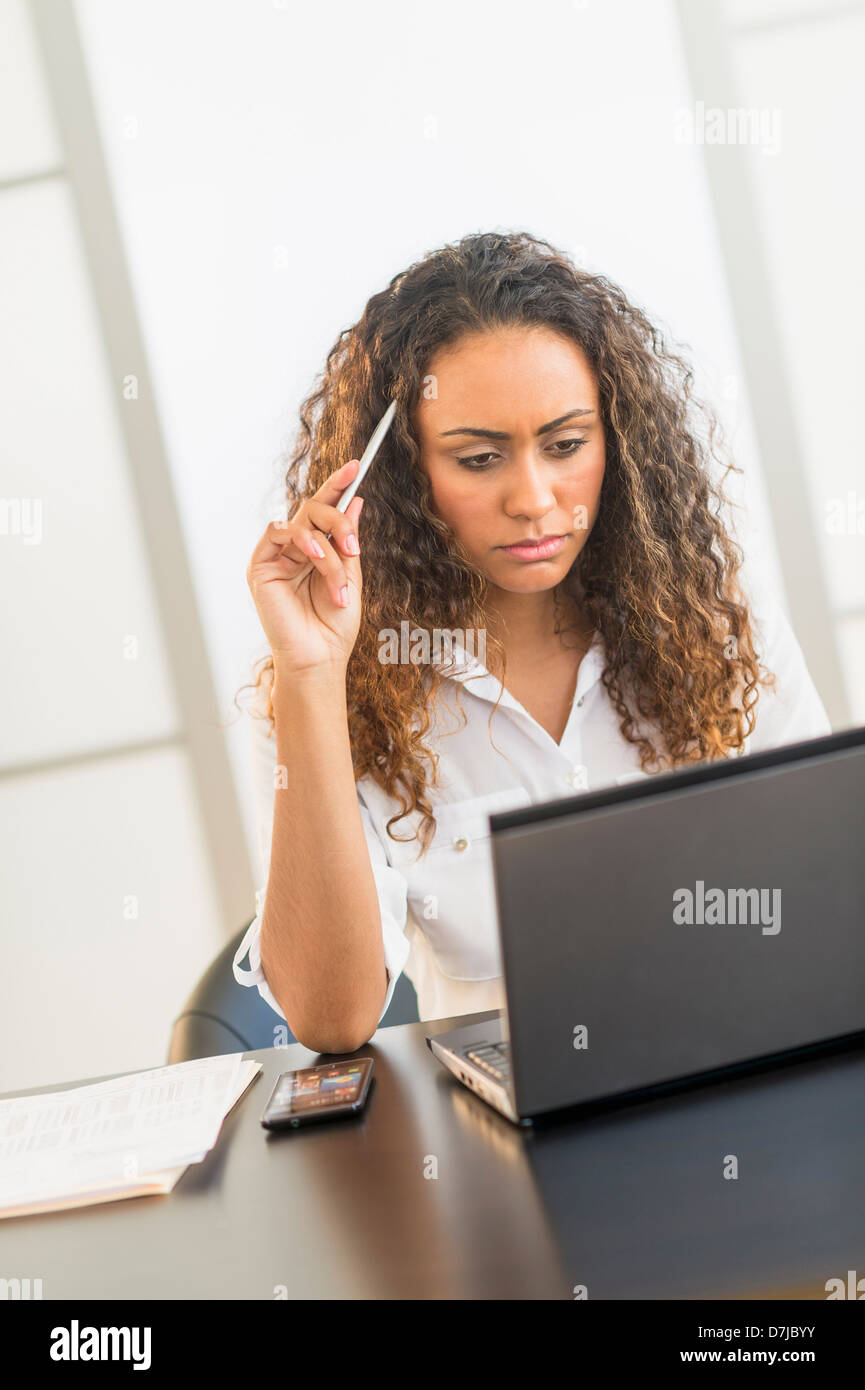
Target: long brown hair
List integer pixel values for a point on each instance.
(657, 576)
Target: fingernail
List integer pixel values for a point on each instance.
(343, 596)
(317, 550)
(351, 544)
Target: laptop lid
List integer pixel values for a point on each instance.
(697, 920)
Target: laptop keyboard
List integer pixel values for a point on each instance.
(492, 1058)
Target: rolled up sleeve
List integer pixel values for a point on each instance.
(390, 885)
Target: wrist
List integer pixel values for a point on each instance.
(315, 680)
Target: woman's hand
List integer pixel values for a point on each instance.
(307, 589)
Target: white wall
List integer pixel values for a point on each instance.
(276, 164)
(806, 60)
(108, 908)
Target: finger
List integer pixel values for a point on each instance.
(333, 487)
(330, 521)
(273, 542)
(343, 572)
(351, 563)
(327, 562)
(304, 544)
(291, 540)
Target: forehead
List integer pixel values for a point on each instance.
(530, 375)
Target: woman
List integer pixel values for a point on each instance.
(545, 494)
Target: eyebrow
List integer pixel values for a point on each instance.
(502, 434)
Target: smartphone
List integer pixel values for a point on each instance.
(367, 457)
(325, 1092)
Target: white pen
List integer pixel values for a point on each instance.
(369, 454)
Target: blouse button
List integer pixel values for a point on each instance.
(460, 843)
(580, 701)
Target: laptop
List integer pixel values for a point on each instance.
(688, 926)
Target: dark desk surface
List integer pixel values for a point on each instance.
(631, 1204)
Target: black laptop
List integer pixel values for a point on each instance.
(680, 927)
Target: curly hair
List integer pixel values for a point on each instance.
(658, 575)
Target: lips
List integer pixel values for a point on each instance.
(542, 549)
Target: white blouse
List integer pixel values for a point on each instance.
(438, 910)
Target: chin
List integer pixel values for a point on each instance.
(530, 578)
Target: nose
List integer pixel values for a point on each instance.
(528, 491)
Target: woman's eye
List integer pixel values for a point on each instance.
(570, 447)
(563, 448)
(473, 462)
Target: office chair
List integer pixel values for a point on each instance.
(222, 1016)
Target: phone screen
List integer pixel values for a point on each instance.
(328, 1087)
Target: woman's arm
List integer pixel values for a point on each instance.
(321, 931)
(321, 937)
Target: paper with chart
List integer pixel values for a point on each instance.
(133, 1133)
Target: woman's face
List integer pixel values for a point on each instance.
(512, 440)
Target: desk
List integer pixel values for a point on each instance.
(632, 1203)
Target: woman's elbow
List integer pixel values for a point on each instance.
(328, 1039)
(334, 1030)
